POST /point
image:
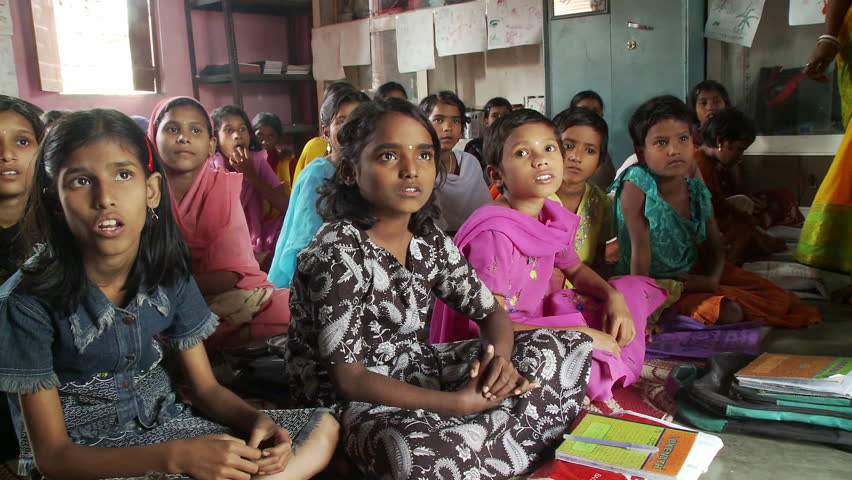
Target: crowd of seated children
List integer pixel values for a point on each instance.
(207, 209)
(363, 289)
(721, 143)
(270, 132)
(238, 150)
(463, 190)
(493, 109)
(664, 217)
(87, 320)
(590, 100)
(303, 220)
(517, 241)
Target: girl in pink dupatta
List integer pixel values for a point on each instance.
(515, 243)
(207, 208)
(263, 196)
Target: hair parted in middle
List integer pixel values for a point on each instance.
(219, 115)
(502, 128)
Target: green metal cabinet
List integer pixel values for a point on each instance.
(625, 65)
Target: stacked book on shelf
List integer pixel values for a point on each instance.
(629, 445)
(299, 69)
(272, 67)
(250, 68)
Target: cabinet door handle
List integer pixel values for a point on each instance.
(639, 26)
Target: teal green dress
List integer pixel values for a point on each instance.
(674, 239)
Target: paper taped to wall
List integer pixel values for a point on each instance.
(415, 43)
(460, 29)
(8, 75)
(513, 23)
(325, 46)
(733, 21)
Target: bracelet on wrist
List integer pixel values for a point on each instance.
(829, 39)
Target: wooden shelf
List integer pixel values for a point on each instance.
(266, 7)
(255, 77)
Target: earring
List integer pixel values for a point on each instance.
(154, 216)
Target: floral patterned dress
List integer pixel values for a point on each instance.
(353, 302)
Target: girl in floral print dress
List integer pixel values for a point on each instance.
(484, 408)
(515, 243)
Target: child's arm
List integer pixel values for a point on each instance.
(216, 281)
(57, 456)
(714, 262)
(224, 406)
(616, 320)
(633, 209)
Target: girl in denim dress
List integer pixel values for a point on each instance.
(87, 320)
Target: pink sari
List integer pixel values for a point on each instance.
(515, 255)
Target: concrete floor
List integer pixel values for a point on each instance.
(760, 458)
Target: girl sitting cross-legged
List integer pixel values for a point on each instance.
(492, 406)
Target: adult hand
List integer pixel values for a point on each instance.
(603, 341)
(499, 378)
(617, 320)
(819, 61)
(213, 457)
(275, 457)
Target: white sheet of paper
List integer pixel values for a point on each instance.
(325, 45)
(513, 23)
(8, 74)
(5, 18)
(355, 42)
(415, 42)
(536, 103)
(733, 21)
(460, 29)
(807, 12)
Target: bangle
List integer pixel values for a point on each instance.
(829, 39)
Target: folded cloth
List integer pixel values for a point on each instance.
(683, 336)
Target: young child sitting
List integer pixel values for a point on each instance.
(721, 144)
(87, 320)
(493, 109)
(269, 132)
(363, 290)
(515, 243)
(664, 216)
(303, 220)
(584, 136)
(207, 209)
(708, 98)
(464, 189)
(238, 150)
(590, 100)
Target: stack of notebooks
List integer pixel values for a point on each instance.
(800, 375)
(273, 67)
(299, 69)
(630, 445)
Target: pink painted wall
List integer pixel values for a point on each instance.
(258, 37)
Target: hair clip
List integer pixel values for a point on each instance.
(150, 155)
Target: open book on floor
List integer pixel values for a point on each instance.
(799, 374)
(644, 447)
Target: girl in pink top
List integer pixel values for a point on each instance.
(206, 204)
(517, 241)
(263, 197)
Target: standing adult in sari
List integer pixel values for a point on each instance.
(824, 242)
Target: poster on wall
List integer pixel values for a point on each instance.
(354, 42)
(5, 18)
(460, 29)
(733, 21)
(807, 12)
(8, 75)
(325, 46)
(415, 42)
(513, 23)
